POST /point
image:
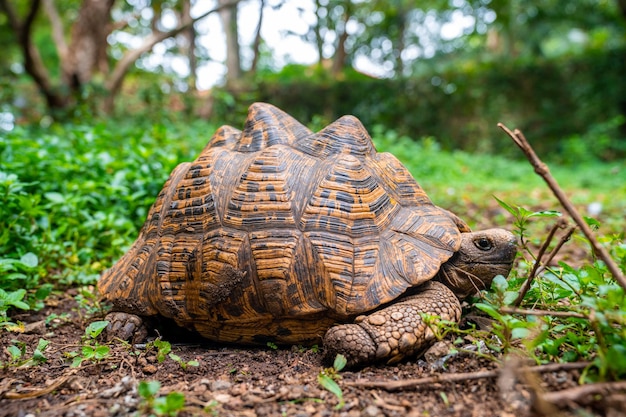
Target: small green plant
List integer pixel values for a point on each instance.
(8, 300)
(18, 357)
(183, 364)
(272, 345)
(154, 405)
(88, 302)
(164, 349)
(508, 329)
(328, 378)
(91, 349)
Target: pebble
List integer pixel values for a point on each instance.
(222, 398)
(220, 385)
(149, 369)
(371, 411)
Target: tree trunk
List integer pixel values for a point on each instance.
(228, 16)
(190, 36)
(622, 7)
(339, 62)
(256, 47)
(87, 52)
(318, 35)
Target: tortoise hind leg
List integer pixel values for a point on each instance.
(394, 332)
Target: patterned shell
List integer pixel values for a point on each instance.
(279, 231)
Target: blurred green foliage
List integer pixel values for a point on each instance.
(73, 197)
(569, 107)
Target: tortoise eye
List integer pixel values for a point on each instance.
(483, 243)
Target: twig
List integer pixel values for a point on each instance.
(535, 312)
(34, 393)
(542, 170)
(566, 237)
(458, 377)
(579, 394)
(526, 286)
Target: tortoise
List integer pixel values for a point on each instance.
(278, 234)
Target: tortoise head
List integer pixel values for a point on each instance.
(482, 256)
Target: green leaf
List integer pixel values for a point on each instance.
(42, 344)
(546, 213)
(520, 333)
(77, 361)
(43, 291)
(102, 351)
(13, 296)
(340, 362)
(15, 352)
(490, 310)
(193, 362)
(163, 348)
(88, 351)
(500, 284)
(174, 401)
(593, 223)
(505, 206)
(148, 389)
(95, 328)
(55, 198)
(29, 259)
(331, 385)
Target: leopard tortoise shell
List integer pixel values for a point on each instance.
(275, 233)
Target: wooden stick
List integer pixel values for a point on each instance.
(556, 249)
(429, 381)
(580, 394)
(526, 286)
(535, 312)
(542, 170)
(38, 392)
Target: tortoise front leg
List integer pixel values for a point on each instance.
(394, 332)
(126, 326)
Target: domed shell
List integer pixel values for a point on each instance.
(277, 231)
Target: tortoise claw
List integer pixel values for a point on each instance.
(125, 326)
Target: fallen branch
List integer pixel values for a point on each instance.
(542, 170)
(38, 392)
(429, 381)
(580, 394)
(535, 312)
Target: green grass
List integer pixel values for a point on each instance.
(466, 183)
(73, 198)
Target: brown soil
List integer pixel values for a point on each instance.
(240, 381)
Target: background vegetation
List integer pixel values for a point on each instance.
(448, 69)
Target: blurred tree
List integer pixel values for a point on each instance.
(86, 52)
(228, 15)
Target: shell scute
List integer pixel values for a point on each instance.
(346, 135)
(267, 126)
(348, 200)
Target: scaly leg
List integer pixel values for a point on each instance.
(394, 332)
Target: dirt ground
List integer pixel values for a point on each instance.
(269, 381)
